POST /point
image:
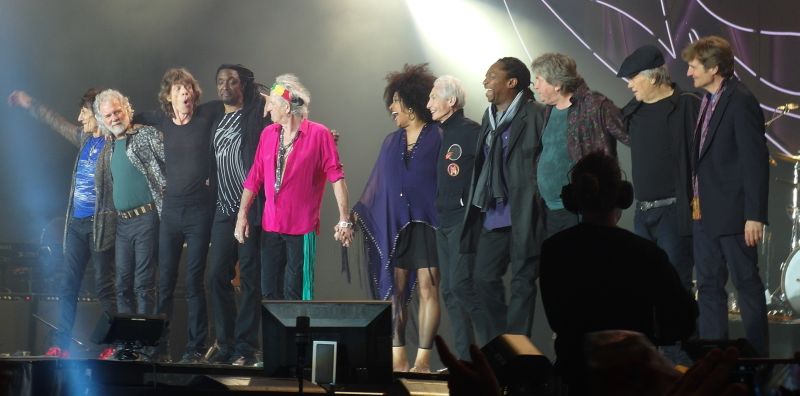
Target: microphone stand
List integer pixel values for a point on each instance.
(301, 341)
(780, 111)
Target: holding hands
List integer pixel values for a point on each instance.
(343, 232)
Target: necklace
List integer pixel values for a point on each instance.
(95, 145)
(410, 148)
(283, 151)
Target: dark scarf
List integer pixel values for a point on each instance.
(491, 186)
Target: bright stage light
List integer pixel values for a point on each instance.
(463, 38)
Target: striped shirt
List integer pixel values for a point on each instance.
(230, 167)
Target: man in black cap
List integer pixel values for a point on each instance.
(660, 119)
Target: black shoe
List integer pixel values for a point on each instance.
(221, 356)
(191, 358)
(243, 360)
(163, 358)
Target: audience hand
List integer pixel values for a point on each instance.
(711, 375)
(465, 378)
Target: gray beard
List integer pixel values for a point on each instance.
(118, 130)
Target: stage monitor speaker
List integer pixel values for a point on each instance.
(519, 365)
(144, 330)
(14, 339)
(46, 309)
(361, 331)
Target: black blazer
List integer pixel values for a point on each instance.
(524, 146)
(732, 166)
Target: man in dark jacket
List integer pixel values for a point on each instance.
(91, 219)
(235, 136)
(501, 218)
(730, 179)
(660, 120)
(454, 169)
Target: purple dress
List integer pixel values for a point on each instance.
(400, 190)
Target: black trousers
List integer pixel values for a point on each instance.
(557, 220)
(137, 253)
(77, 253)
(492, 260)
(190, 224)
(458, 289)
(283, 257)
(236, 330)
(714, 257)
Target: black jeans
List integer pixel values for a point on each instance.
(190, 224)
(77, 253)
(557, 220)
(715, 257)
(660, 225)
(136, 252)
(492, 260)
(283, 257)
(241, 337)
(458, 289)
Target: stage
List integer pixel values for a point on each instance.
(44, 376)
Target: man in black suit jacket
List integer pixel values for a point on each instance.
(501, 219)
(730, 177)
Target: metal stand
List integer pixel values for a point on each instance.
(777, 303)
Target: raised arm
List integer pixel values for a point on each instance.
(55, 121)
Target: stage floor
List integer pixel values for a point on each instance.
(45, 376)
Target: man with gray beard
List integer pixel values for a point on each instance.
(137, 169)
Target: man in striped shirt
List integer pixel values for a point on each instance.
(235, 136)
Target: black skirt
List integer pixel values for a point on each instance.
(416, 247)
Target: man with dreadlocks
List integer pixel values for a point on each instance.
(235, 136)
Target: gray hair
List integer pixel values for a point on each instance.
(659, 75)
(292, 83)
(558, 70)
(107, 96)
(450, 87)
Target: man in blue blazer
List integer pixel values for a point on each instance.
(730, 180)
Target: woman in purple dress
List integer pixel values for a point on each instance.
(398, 214)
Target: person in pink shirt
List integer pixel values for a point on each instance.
(295, 157)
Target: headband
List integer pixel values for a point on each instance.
(282, 91)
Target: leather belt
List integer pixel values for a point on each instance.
(647, 205)
(129, 214)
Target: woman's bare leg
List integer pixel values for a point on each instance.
(429, 313)
(399, 316)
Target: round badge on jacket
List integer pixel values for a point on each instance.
(453, 153)
(453, 169)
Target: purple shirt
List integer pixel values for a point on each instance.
(398, 192)
(498, 215)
